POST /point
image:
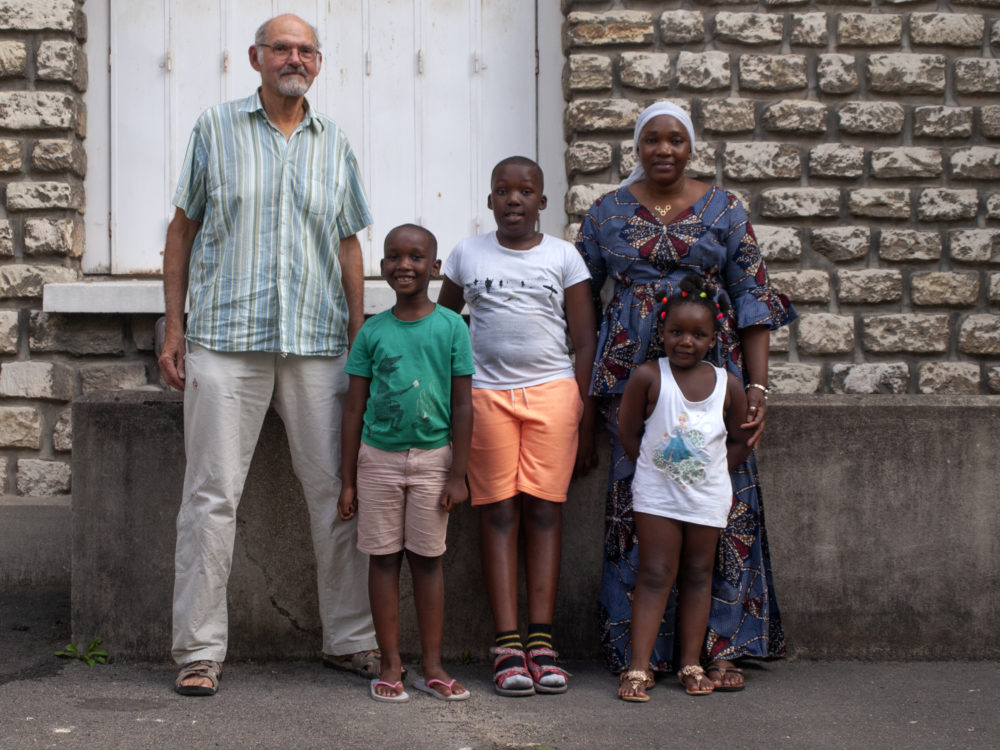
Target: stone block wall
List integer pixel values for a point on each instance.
(864, 140)
(46, 360)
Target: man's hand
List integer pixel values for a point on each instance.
(171, 361)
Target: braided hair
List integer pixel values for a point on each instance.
(693, 290)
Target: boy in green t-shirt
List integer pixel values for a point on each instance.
(404, 452)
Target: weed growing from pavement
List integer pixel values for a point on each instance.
(90, 656)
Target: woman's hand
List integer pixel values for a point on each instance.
(756, 416)
(756, 343)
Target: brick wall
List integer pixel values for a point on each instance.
(46, 360)
(865, 143)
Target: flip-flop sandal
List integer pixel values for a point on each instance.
(722, 687)
(689, 675)
(398, 698)
(636, 678)
(428, 687)
(206, 669)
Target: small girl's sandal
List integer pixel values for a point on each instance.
(638, 680)
(720, 672)
(507, 663)
(546, 671)
(428, 687)
(689, 677)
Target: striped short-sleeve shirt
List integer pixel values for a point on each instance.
(264, 273)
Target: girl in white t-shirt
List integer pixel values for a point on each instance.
(525, 290)
(679, 423)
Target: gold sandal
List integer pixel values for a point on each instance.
(637, 679)
(694, 671)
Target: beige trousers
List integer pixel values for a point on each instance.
(225, 400)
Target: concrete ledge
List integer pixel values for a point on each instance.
(881, 514)
(106, 294)
(35, 535)
(128, 466)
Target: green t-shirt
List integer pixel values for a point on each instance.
(410, 365)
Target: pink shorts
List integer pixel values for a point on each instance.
(399, 500)
(524, 440)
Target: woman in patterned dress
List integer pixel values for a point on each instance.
(656, 228)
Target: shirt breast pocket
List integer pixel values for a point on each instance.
(319, 200)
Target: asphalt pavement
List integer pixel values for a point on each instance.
(46, 702)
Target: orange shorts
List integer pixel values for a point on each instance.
(524, 440)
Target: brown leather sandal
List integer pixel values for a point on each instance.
(206, 669)
(363, 663)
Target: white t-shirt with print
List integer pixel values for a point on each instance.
(516, 300)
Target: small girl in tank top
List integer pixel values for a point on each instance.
(679, 421)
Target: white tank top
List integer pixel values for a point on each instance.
(682, 471)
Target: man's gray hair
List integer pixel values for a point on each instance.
(260, 37)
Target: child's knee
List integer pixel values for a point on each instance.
(655, 576)
(695, 575)
(543, 515)
(422, 565)
(501, 517)
(385, 563)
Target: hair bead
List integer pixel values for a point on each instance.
(695, 289)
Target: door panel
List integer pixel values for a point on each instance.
(140, 165)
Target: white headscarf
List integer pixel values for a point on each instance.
(655, 110)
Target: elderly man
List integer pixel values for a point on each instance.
(264, 245)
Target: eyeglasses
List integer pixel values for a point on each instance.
(307, 53)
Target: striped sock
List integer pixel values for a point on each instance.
(509, 639)
(540, 636)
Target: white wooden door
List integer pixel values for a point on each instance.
(432, 93)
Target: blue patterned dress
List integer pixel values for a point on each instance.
(646, 259)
